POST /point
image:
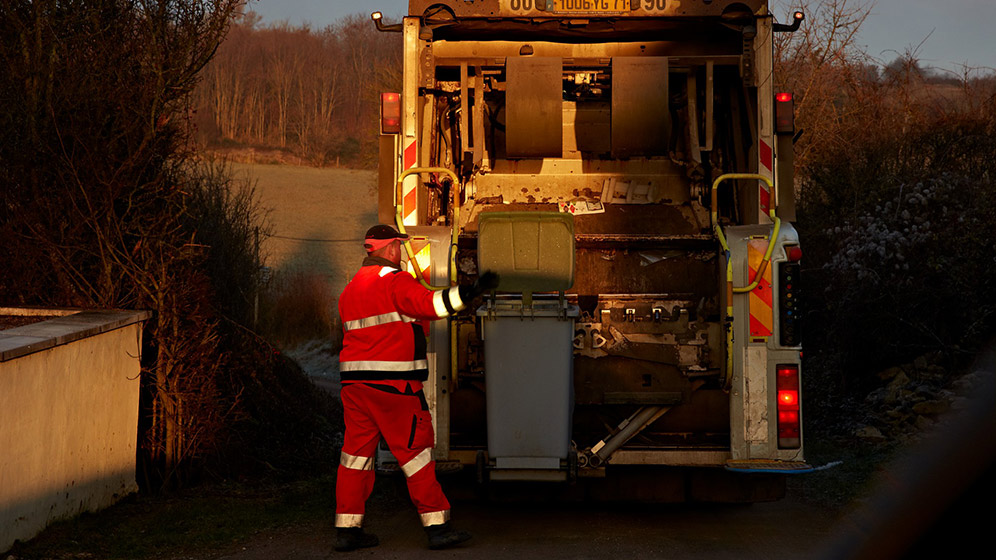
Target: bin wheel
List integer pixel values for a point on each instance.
(572, 467)
(482, 468)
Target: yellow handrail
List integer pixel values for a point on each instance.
(398, 218)
(730, 289)
(398, 198)
(722, 238)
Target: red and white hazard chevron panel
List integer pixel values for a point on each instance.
(409, 186)
(761, 316)
(423, 255)
(766, 156)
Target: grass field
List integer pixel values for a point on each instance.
(316, 218)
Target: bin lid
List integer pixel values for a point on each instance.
(531, 251)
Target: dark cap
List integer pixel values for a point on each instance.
(384, 232)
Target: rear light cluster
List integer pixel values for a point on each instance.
(788, 406)
(390, 113)
(788, 297)
(784, 113)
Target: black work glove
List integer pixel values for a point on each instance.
(485, 283)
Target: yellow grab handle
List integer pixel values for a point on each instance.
(714, 216)
(398, 197)
(730, 288)
(452, 251)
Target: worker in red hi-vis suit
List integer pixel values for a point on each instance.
(384, 314)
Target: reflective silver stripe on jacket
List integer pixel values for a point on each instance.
(348, 520)
(373, 321)
(452, 295)
(356, 463)
(435, 517)
(375, 365)
(384, 271)
(418, 462)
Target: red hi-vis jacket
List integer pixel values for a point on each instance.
(380, 309)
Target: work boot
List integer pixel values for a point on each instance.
(353, 538)
(442, 536)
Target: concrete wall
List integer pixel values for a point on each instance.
(69, 391)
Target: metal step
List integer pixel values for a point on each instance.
(768, 466)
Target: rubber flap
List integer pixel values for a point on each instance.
(641, 119)
(534, 115)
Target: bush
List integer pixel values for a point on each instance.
(895, 171)
(227, 220)
(103, 206)
(899, 256)
(281, 424)
(298, 306)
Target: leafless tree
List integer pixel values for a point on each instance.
(93, 148)
(822, 64)
(314, 92)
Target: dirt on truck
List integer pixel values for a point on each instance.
(626, 166)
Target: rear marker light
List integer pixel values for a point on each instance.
(788, 298)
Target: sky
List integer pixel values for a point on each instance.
(954, 32)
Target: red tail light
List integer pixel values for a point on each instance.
(789, 426)
(784, 113)
(788, 398)
(390, 113)
(793, 253)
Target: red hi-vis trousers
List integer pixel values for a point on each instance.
(397, 411)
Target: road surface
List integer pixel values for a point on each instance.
(784, 530)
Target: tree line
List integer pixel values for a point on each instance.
(311, 92)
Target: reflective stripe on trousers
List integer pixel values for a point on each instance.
(435, 518)
(417, 463)
(356, 463)
(348, 520)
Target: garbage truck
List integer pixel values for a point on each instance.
(626, 167)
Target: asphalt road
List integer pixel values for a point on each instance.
(783, 530)
(930, 502)
(532, 528)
